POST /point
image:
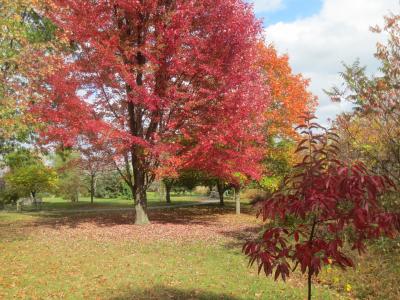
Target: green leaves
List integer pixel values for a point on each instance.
(28, 175)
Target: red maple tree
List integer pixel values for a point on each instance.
(289, 100)
(321, 202)
(157, 81)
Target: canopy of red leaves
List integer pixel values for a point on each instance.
(167, 81)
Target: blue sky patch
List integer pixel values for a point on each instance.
(290, 10)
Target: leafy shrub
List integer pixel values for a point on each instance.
(320, 204)
(201, 190)
(254, 195)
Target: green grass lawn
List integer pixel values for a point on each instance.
(191, 253)
(186, 253)
(57, 203)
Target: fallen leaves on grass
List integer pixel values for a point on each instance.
(211, 224)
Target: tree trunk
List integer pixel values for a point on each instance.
(237, 200)
(34, 198)
(310, 271)
(161, 191)
(92, 188)
(168, 188)
(140, 199)
(221, 190)
(141, 208)
(309, 284)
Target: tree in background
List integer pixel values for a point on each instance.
(24, 33)
(28, 175)
(279, 160)
(66, 163)
(290, 100)
(371, 132)
(93, 160)
(156, 79)
(324, 202)
(109, 184)
(186, 180)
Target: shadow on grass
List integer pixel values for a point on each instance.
(162, 292)
(237, 238)
(211, 219)
(199, 215)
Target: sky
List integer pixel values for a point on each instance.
(320, 35)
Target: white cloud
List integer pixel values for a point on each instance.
(261, 6)
(318, 45)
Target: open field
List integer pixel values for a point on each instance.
(190, 253)
(58, 203)
(186, 253)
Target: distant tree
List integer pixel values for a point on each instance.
(23, 34)
(374, 125)
(280, 157)
(186, 180)
(290, 100)
(168, 183)
(92, 161)
(371, 132)
(290, 97)
(28, 175)
(322, 200)
(21, 157)
(66, 163)
(222, 187)
(110, 185)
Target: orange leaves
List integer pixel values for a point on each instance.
(290, 97)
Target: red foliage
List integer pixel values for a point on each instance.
(159, 81)
(323, 201)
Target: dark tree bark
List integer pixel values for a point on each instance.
(169, 183)
(310, 271)
(136, 34)
(221, 191)
(168, 188)
(92, 188)
(34, 198)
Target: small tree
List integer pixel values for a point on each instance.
(70, 176)
(168, 182)
(31, 178)
(321, 202)
(93, 160)
(186, 179)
